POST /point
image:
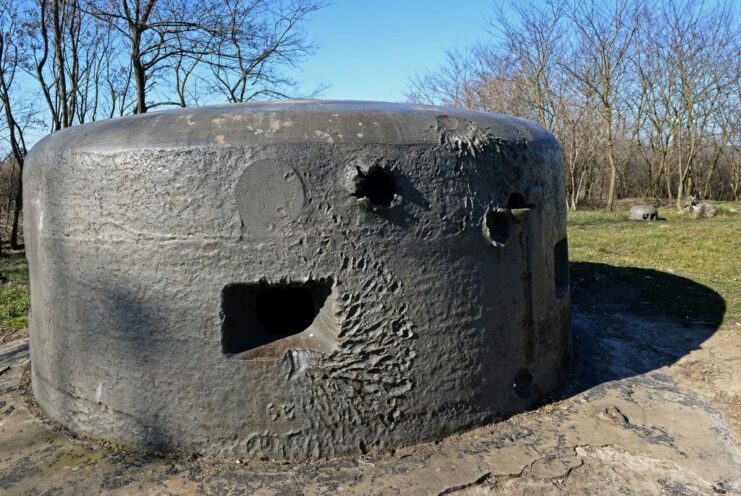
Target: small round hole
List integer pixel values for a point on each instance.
(497, 225)
(377, 186)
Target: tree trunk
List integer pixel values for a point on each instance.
(680, 183)
(14, 244)
(669, 195)
(690, 186)
(139, 74)
(706, 190)
(141, 102)
(59, 57)
(18, 146)
(613, 174)
(611, 160)
(680, 193)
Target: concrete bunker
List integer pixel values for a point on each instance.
(296, 279)
(644, 212)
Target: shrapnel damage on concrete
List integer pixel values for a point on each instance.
(296, 279)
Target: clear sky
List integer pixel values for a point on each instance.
(368, 49)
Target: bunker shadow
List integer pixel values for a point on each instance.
(628, 321)
(119, 322)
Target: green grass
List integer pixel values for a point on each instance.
(706, 251)
(14, 296)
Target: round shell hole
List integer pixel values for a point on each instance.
(497, 225)
(377, 186)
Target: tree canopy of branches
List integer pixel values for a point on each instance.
(15, 113)
(643, 95)
(236, 47)
(67, 62)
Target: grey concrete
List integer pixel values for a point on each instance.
(296, 279)
(644, 212)
(702, 209)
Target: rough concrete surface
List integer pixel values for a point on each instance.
(651, 407)
(296, 279)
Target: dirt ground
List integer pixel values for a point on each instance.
(652, 406)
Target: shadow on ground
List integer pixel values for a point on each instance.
(628, 321)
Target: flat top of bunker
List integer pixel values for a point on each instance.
(295, 121)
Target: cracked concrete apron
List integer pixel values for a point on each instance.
(651, 407)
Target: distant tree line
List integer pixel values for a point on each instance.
(67, 62)
(643, 95)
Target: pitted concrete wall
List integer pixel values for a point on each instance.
(167, 248)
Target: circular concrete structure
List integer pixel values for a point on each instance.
(643, 212)
(296, 279)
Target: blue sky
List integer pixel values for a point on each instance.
(368, 49)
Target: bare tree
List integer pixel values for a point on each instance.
(67, 62)
(532, 36)
(457, 82)
(16, 115)
(67, 49)
(654, 120)
(185, 70)
(700, 51)
(235, 47)
(255, 40)
(604, 33)
(154, 30)
(727, 118)
(521, 74)
(577, 124)
(644, 97)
